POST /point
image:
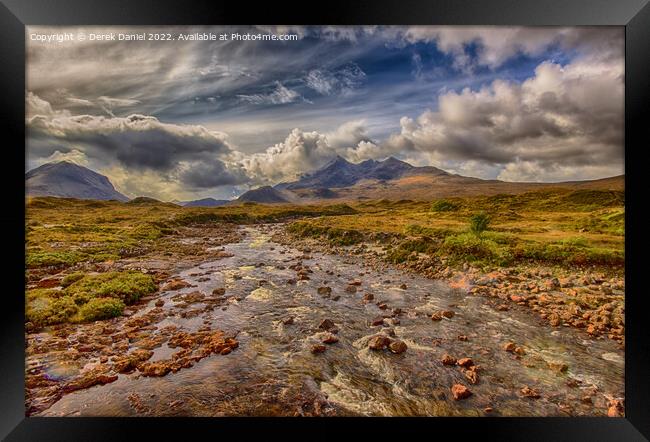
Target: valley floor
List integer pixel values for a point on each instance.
(270, 325)
(380, 308)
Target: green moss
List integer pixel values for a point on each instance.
(100, 308)
(58, 259)
(69, 279)
(127, 286)
(43, 311)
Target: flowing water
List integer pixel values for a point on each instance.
(273, 372)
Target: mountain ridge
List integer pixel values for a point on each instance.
(70, 180)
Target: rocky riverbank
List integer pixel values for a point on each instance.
(589, 299)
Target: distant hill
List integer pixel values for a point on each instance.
(205, 202)
(266, 194)
(68, 180)
(342, 173)
(392, 179)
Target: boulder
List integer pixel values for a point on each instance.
(460, 391)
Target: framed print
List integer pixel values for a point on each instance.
(391, 215)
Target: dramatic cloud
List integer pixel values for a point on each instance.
(179, 120)
(298, 153)
(136, 141)
(571, 115)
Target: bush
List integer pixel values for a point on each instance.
(444, 206)
(478, 223)
(470, 247)
(100, 308)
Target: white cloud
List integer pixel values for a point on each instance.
(570, 115)
(280, 95)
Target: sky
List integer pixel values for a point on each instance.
(180, 120)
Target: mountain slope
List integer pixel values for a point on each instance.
(265, 194)
(68, 180)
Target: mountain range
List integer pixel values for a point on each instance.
(339, 180)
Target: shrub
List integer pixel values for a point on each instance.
(478, 223)
(470, 247)
(445, 206)
(100, 308)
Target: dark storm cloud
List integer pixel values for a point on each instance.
(136, 141)
(206, 175)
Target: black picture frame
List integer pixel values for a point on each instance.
(634, 15)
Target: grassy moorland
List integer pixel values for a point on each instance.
(73, 237)
(557, 228)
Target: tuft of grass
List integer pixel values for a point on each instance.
(479, 223)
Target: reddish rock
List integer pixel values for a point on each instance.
(330, 339)
(318, 348)
(159, 303)
(398, 347)
(471, 376)
(465, 362)
(288, 321)
(448, 360)
(219, 291)
(326, 324)
(351, 289)
(176, 284)
(155, 369)
(403, 286)
(378, 342)
(510, 347)
(530, 392)
(558, 366)
(436, 316)
(447, 314)
(460, 391)
(368, 297)
(463, 338)
(379, 320)
(324, 291)
(615, 408)
(382, 306)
